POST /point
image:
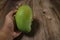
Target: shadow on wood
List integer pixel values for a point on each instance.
(34, 28)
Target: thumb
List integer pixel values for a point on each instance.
(16, 34)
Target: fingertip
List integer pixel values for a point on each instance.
(12, 12)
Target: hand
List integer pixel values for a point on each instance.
(8, 27)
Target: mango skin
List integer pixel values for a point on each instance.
(24, 18)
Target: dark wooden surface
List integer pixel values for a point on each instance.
(46, 19)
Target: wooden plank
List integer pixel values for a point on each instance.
(45, 25)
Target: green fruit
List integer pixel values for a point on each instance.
(24, 18)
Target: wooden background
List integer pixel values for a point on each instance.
(46, 18)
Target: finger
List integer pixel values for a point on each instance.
(12, 12)
(16, 34)
(19, 3)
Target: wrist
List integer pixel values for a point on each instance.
(7, 32)
(5, 36)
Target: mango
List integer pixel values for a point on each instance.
(23, 18)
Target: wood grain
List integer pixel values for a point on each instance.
(46, 19)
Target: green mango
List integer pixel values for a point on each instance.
(24, 18)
